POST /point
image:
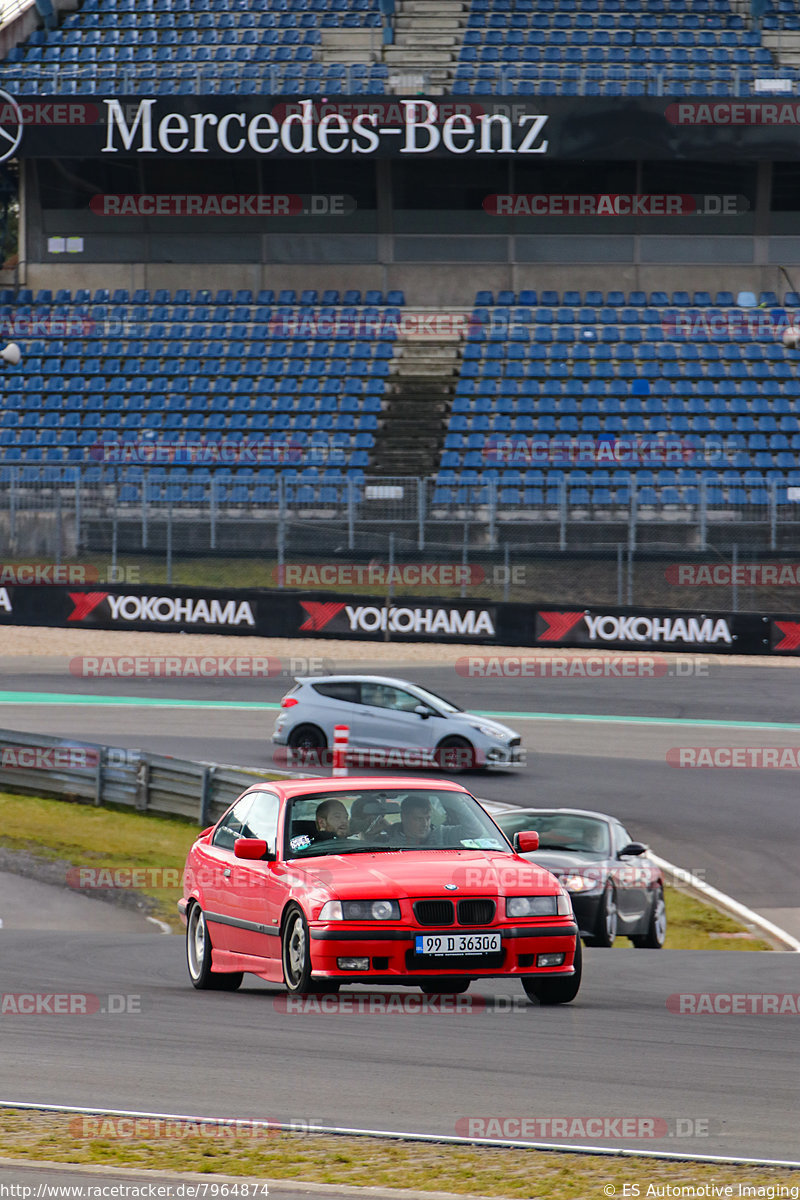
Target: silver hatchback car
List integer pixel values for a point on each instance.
(392, 723)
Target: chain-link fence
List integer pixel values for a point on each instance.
(395, 537)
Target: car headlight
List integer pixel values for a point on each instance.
(539, 906)
(360, 910)
(580, 883)
(487, 731)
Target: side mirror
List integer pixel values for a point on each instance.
(526, 842)
(422, 711)
(252, 848)
(632, 850)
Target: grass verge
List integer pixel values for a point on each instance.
(344, 1161)
(80, 835)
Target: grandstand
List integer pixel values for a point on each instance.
(294, 334)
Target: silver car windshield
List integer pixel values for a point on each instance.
(366, 821)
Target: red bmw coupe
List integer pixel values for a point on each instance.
(318, 882)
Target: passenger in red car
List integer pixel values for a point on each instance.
(332, 821)
(415, 827)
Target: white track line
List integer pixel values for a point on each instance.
(396, 1135)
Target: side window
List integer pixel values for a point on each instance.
(262, 819)
(230, 827)
(381, 695)
(348, 692)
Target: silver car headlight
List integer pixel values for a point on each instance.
(487, 731)
(539, 906)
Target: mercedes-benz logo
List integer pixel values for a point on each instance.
(10, 126)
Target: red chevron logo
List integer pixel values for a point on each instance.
(85, 602)
(791, 635)
(558, 625)
(320, 614)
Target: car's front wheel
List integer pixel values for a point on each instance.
(605, 930)
(657, 929)
(556, 991)
(198, 956)
(444, 987)
(296, 956)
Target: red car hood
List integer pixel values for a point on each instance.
(387, 875)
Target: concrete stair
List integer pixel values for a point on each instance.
(419, 397)
(428, 36)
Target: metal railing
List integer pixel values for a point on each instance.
(28, 79)
(68, 510)
(134, 779)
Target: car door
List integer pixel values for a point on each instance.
(215, 874)
(391, 719)
(256, 884)
(632, 877)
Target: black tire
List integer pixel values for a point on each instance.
(309, 744)
(556, 991)
(456, 755)
(607, 923)
(657, 929)
(296, 956)
(444, 987)
(198, 956)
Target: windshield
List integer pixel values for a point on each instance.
(436, 701)
(391, 819)
(561, 831)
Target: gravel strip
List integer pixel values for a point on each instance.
(53, 648)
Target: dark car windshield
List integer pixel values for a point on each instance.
(391, 819)
(561, 831)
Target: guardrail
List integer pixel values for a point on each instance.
(134, 779)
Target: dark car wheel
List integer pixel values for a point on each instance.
(556, 991)
(605, 929)
(455, 754)
(445, 987)
(198, 956)
(296, 956)
(309, 743)
(657, 929)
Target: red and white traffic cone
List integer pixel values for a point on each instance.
(341, 735)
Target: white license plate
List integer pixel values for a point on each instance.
(457, 943)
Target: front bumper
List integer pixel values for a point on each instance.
(392, 955)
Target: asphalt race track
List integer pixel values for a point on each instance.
(618, 1051)
(738, 829)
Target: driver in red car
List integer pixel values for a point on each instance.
(332, 821)
(414, 828)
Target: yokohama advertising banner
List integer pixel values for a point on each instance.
(294, 614)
